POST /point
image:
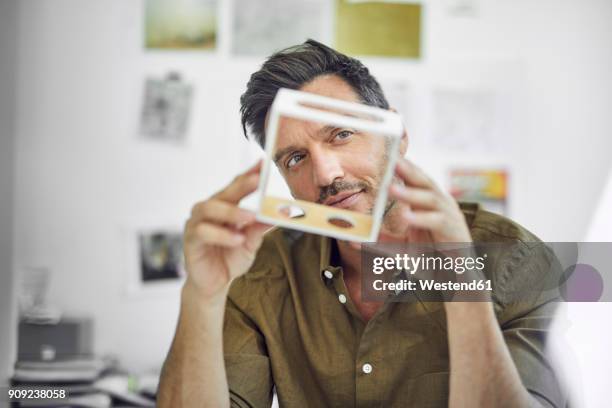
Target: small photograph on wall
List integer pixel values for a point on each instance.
(161, 255)
(257, 31)
(165, 108)
(377, 28)
(180, 24)
(488, 187)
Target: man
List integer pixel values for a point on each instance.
(285, 311)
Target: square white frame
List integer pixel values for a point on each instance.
(384, 123)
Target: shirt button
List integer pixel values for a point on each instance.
(367, 368)
(328, 274)
(342, 298)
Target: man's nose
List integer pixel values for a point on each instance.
(326, 167)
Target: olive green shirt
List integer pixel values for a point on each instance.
(291, 325)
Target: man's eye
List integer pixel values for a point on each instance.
(343, 135)
(294, 159)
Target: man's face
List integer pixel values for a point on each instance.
(329, 165)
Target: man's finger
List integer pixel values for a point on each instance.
(239, 188)
(254, 234)
(220, 212)
(413, 175)
(415, 197)
(210, 234)
(242, 185)
(256, 168)
(430, 220)
(388, 236)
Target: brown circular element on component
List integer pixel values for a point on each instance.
(340, 222)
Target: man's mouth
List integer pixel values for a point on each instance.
(343, 200)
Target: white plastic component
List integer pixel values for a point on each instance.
(329, 111)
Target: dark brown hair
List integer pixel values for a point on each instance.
(294, 67)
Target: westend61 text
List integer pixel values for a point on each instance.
(431, 284)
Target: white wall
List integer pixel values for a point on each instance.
(83, 177)
(8, 30)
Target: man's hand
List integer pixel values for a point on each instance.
(220, 244)
(427, 210)
(475, 341)
(221, 239)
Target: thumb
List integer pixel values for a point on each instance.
(254, 235)
(388, 236)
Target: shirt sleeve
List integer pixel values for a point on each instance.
(526, 339)
(246, 361)
(528, 315)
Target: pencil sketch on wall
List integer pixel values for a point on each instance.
(166, 108)
(257, 31)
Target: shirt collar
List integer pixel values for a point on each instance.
(325, 261)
